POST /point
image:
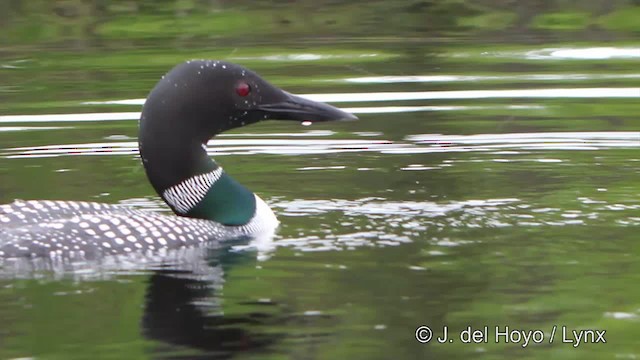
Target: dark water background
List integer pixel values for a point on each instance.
(495, 182)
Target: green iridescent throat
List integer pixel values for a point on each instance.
(227, 202)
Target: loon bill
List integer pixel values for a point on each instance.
(190, 105)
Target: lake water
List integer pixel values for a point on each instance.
(487, 183)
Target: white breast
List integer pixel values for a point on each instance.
(263, 221)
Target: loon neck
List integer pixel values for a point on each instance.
(192, 184)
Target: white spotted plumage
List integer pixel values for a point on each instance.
(187, 194)
(92, 230)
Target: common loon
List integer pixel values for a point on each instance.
(190, 105)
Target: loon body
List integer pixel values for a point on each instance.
(190, 105)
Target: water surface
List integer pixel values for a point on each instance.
(487, 183)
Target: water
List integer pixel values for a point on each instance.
(488, 183)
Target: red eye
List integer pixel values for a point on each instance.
(243, 89)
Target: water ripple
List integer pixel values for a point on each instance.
(305, 57)
(379, 222)
(564, 53)
(30, 128)
(397, 79)
(592, 53)
(496, 144)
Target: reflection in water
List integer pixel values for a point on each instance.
(182, 305)
(183, 309)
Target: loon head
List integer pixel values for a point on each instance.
(192, 103)
(201, 98)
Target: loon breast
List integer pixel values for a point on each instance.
(71, 229)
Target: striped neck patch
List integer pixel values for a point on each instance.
(187, 194)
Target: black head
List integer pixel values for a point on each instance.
(201, 98)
